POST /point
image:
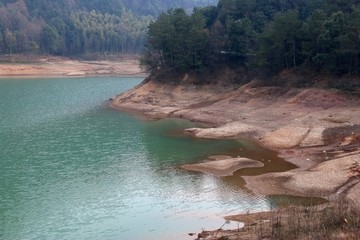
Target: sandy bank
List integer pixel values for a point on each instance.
(316, 129)
(223, 167)
(49, 66)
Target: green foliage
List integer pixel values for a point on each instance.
(267, 34)
(241, 39)
(210, 14)
(178, 41)
(313, 28)
(235, 9)
(156, 7)
(105, 33)
(272, 35)
(113, 7)
(68, 27)
(50, 39)
(281, 41)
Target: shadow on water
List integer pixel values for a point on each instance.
(167, 143)
(272, 163)
(277, 201)
(179, 148)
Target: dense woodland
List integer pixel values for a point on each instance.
(76, 27)
(259, 35)
(264, 35)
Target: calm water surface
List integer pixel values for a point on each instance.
(72, 168)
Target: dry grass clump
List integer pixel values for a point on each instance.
(337, 220)
(355, 169)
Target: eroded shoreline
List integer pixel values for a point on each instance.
(316, 129)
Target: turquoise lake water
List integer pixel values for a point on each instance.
(73, 168)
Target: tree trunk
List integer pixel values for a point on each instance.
(357, 67)
(286, 61)
(294, 52)
(350, 65)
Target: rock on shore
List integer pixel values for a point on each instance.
(224, 167)
(315, 129)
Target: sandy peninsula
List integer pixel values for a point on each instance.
(51, 66)
(316, 129)
(222, 167)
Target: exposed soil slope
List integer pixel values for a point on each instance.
(316, 129)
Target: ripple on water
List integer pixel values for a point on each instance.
(74, 169)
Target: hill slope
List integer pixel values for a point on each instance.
(262, 35)
(69, 27)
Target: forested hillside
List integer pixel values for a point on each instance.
(75, 27)
(263, 35)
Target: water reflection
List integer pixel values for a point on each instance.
(74, 169)
(227, 191)
(277, 201)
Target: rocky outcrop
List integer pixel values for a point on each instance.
(316, 129)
